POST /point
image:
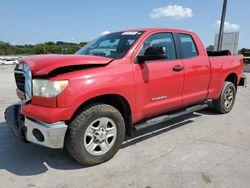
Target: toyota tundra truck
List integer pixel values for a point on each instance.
(117, 84)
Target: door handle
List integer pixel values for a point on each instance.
(178, 68)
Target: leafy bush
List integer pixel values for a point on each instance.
(44, 48)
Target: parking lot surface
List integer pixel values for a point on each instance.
(204, 149)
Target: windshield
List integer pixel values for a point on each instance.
(113, 45)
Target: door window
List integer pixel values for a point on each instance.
(188, 46)
(165, 40)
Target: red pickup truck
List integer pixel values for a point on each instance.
(119, 83)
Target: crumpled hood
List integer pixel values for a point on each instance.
(42, 65)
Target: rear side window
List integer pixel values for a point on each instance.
(188, 46)
(165, 40)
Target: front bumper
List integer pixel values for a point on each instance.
(45, 134)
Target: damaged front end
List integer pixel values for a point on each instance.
(30, 128)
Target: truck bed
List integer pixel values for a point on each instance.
(218, 53)
(221, 67)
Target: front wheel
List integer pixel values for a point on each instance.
(96, 134)
(226, 100)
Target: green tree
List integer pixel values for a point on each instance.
(210, 48)
(244, 51)
(39, 49)
(83, 44)
(49, 47)
(6, 49)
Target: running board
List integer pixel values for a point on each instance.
(165, 118)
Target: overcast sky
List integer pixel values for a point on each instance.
(36, 21)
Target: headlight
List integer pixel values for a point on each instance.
(47, 88)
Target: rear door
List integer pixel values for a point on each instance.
(196, 70)
(158, 87)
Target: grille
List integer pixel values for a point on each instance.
(23, 79)
(20, 80)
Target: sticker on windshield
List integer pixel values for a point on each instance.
(130, 33)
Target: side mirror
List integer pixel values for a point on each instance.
(153, 53)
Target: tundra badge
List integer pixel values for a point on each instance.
(159, 98)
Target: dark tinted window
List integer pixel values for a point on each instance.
(188, 46)
(165, 40)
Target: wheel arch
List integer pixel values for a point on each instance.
(232, 77)
(115, 100)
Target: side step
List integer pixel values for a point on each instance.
(165, 118)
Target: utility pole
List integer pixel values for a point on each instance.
(223, 15)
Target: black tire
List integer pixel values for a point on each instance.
(75, 138)
(220, 105)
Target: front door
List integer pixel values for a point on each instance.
(158, 83)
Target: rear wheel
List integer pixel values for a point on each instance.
(96, 134)
(226, 100)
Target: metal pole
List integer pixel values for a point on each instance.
(223, 15)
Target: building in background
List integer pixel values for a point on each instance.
(230, 42)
